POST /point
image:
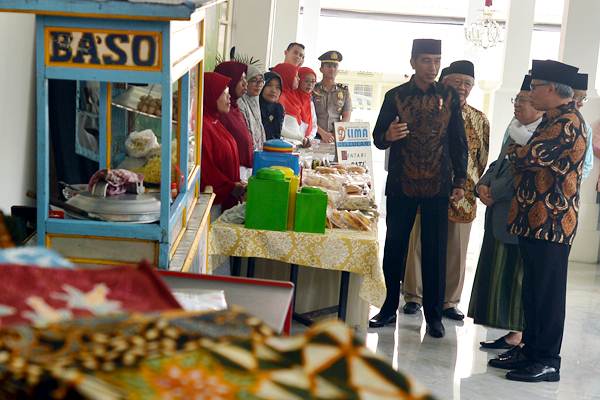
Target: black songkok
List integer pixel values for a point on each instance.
(526, 85)
(463, 67)
(554, 71)
(581, 82)
(426, 46)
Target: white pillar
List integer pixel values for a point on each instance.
(517, 51)
(308, 33)
(285, 28)
(252, 29)
(579, 46)
(17, 105)
(579, 39)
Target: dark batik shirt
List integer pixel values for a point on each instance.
(432, 159)
(548, 173)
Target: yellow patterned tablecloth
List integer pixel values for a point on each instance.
(337, 249)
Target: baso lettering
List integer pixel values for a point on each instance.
(103, 49)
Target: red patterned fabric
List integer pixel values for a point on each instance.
(34, 295)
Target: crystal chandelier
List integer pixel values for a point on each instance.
(485, 32)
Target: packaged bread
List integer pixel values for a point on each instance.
(336, 219)
(353, 220)
(356, 202)
(328, 224)
(310, 179)
(341, 168)
(361, 221)
(326, 170)
(353, 189)
(325, 181)
(355, 169)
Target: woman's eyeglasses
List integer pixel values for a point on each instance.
(520, 100)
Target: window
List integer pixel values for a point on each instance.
(363, 90)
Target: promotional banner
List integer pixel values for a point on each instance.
(353, 143)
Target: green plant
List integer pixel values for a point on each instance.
(243, 58)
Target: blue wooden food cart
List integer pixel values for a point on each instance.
(138, 67)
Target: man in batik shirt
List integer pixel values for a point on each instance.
(543, 214)
(421, 122)
(461, 76)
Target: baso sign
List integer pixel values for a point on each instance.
(103, 49)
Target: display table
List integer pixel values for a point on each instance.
(338, 250)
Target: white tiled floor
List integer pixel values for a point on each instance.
(455, 368)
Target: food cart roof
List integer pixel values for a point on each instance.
(121, 9)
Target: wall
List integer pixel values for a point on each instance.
(264, 28)
(211, 44)
(285, 28)
(252, 28)
(17, 117)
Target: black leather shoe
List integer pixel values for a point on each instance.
(436, 330)
(512, 359)
(411, 307)
(453, 313)
(510, 353)
(535, 372)
(498, 344)
(381, 320)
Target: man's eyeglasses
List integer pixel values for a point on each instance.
(583, 99)
(520, 100)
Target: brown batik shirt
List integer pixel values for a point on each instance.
(477, 130)
(548, 177)
(432, 159)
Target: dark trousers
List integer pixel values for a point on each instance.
(544, 298)
(401, 212)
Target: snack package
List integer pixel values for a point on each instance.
(140, 144)
(330, 181)
(151, 169)
(326, 170)
(355, 169)
(356, 202)
(353, 220)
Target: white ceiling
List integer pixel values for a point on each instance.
(547, 11)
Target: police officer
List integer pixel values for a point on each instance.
(332, 100)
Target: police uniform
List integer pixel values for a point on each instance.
(331, 104)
